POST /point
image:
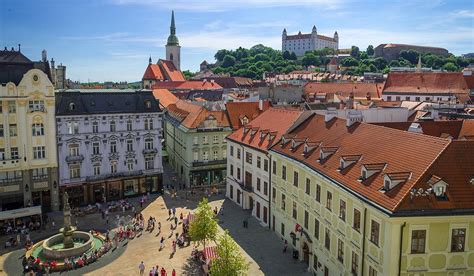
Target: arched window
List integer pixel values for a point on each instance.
(171, 57)
(72, 106)
(38, 129)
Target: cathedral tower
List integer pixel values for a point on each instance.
(173, 50)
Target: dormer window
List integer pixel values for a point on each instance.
(72, 106)
(364, 174)
(325, 152)
(367, 170)
(246, 129)
(439, 186)
(253, 131)
(347, 160)
(391, 180)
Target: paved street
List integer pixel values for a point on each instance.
(261, 247)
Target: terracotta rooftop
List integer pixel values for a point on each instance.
(165, 97)
(425, 83)
(360, 90)
(186, 85)
(268, 128)
(164, 70)
(237, 111)
(410, 158)
(193, 116)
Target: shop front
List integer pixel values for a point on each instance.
(115, 190)
(131, 187)
(207, 177)
(76, 194)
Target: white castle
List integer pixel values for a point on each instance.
(300, 43)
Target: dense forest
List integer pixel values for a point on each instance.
(253, 62)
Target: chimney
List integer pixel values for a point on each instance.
(44, 55)
(260, 105)
(331, 113)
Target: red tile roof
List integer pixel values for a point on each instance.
(425, 83)
(164, 97)
(193, 116)
(402, 152)
(153, 72)
(360, 90)
(187, 85)
(170, 70)
(469, 81)
(433, 128)
(238, 110)
(272, 123)
(164, 70)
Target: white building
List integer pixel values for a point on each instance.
(248, 163)
(301, 43)
(109, 144)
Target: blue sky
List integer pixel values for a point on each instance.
(100, 40)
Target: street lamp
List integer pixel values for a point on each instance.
(27, 188)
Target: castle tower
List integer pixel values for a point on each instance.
(314, 31)
(173, 50)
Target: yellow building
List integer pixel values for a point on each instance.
(358, 199)
(28, 158)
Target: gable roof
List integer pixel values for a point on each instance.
(164, 70)
(164, 97)
(153, 72)
(432, 128)
(192, 115)
(401, 151)
(237, 110)
(425, 83)
(273, 122)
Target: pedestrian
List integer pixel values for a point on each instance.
(163, 271)
(162, 243)
(157, 271)
(18, 238)
(169, 213)
(141, 267)
(174, 211)
(285, 246)
(173, 273)
(222, 210)
(159, 227)
(174, 247)
(176, 221)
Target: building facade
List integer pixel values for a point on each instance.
(109, 144)
(301, 43)
(395, 207)
(248, 162)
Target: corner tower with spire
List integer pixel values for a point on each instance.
(173, 50)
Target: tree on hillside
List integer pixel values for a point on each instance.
(204, 227)
(380, 63)
(410, 55)
(310, 59)
(286, 55)
(370, 50)
(293, 56)
(451, 67)
(349, 62)
(228, 61)
(229, 260)
(219, 56)
(355, 51)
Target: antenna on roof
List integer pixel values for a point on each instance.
(19, 47)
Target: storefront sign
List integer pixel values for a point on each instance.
(40, 185)
(18, 213)
(11, 188)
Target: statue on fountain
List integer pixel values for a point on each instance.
(67, 230)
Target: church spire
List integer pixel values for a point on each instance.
(172, 38)
(172, 27)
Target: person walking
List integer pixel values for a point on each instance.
(169, 213)
(163, 271)
(173, 273)
(174, 247)
(285, 246)
(141, 267)
(162, 243)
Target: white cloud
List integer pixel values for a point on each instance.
(225, 5)
(116, 37)
(462, 14)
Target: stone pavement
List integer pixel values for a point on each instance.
(260, 246)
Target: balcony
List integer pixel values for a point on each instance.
(209, 163)
(74, 158)
(37, 109)
(9, 163)
(150, 151)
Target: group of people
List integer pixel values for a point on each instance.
(155, 270)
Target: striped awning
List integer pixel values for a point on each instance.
(209, 254)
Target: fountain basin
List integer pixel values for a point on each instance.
(53, 249)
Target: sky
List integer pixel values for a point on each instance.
(111, 40)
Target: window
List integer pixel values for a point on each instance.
(195, 140)
(39, 152)
(97, 169)
(238, 154)
(13, 131)
(215, 154)
(308, 186)
(95, 148)
(327, 240)
(130, 164)
(238, 173)
(38, 129)
(149, 143)
(1, 130)
(129, 145)
(316, 229)
(355, 263)
(295, 210)
(149, 162)
(306, 219)
(14, 153)
(282, 230)
(195, 156)
(37, 105)
(74, 171)
(356, 223)
(215, 139)
(274, 168)
(113, 146)
(458, 237)
(113, 167)
(274, 195)
(283, 172)
(295, 178)
(129, 125)
(259, 162)
(318, 193)
(407, 98)
(148, 123)
(11, 107)
(73, 150)
(374, 232)
(95, 127)
(2, 154)
(329, 200)
(265, 188)
(265, 165)
(224, 153)
(389, 98)
(340, 250)
(112, 126)
(72, 128)
(398, 98)
(205, 156)
(231, 150)
(418, 238)
(372, 271)
(248, 157)
(231, 169)
(342, 210)
(40, 173)
(283, 203)
(417, 99)
(258, 184)
(204, 139)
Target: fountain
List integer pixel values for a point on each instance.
(69, 243)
